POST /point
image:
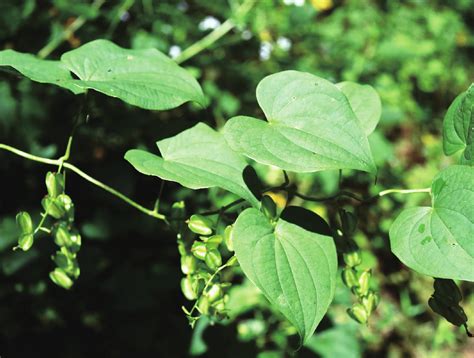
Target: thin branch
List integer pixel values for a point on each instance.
(215, 35)
(73, 168)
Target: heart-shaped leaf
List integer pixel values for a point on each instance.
(196, 158)
(438, 241)
(294, 268)
(143, 78)
(458, 127)
(311, 126)
(365, 103)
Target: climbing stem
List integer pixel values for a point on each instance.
(63, 162)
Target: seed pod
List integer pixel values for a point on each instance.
(188, 287)
(203, 305)
(212, 242)
(54, 184)
(25, 241)
(53, 208)
(214, 293)
(66, 203)
(213, 259)
(364, 282)
(76, 242)
(219, 305)
(447, 290)
(59, 277)
(349, 277)
(348, 221)
(268, 207)
(358, 313)
(199, 250)
(23, 220)
(228, 237)
(62, 237)
(200, 225)
(370, 301)
(188, 264)
(352, 259)
(453, 314)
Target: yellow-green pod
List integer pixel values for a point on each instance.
(24, 222)
(352, 259)
(349, 277)
(54, 184)
(188, 264)
(200, 225)
(228, 238)
(213, 259)
(214, 293)
(188, 287)
(60, 278)
(358, 313)
(199, 250)
(370, 301)
(25, 241)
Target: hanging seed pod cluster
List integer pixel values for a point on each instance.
(57, 220)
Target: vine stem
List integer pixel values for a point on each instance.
(64, 164)
(404, 191)
(67, 32)
(215, 34)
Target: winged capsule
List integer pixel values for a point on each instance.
(53, 208)
(54, 184)
(268, 207)
(60, 278)
(214, 293)
(447, 290)
(228, 237)
(364, 282)
(188, 287)
(213, 259)
(25, 241)
(370, 301)
(358, 313)
(349, 277)
(24, 222)
(188, 264)
(199, 250)
(200, 225)
(352, 259)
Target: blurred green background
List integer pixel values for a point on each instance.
(418, 54)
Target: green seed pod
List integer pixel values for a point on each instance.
(203, 305)
(268, 207)
(212, 242)
(364, 282)
(213, 259)
(66, 203)
(348, 221)
(352, 259)
(219, 305)
(188, 287)
(76, 242)
(188, 264)
(358, 313)
(52, 208)
(370, 301)
(447, 290)
(214, 293)
(23, 220)
(54, 184)
(59, 277)
(228, 237)
(200, 225)
(181, 248)
(349, 277)
(199, 250)
(25, 241)
(62, 237)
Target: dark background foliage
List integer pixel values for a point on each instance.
(417, 54)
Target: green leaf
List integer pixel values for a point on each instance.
(458, 127)
(43, 71)
(143, 78)
(196, 158)
(310, 127)
(365, 103)
(438, 240)
(294, 268)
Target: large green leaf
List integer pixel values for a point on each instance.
(294, 268)
(196, 158)
(43, 71)
(458, 127)
(439, 240)
(365, 102)
(143, 78)
(311, 126)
